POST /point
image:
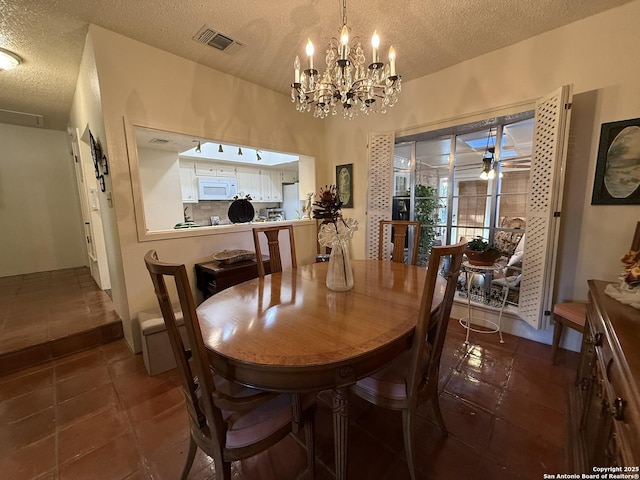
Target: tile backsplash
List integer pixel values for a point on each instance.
(202, 212)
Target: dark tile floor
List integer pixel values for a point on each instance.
(98, 415)
(49, 315)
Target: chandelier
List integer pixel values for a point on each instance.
(348, 82)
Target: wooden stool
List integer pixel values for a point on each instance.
(570, 314)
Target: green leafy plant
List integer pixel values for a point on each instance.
(478, 244)
(426, 211)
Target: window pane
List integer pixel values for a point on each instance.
(430, 200)
(514, 167)
(452, 200)
(471, 195)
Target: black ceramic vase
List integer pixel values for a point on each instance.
(241, 210)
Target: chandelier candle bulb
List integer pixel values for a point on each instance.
(375, 44)
(344, 42)
(310, 54)
(392, 61)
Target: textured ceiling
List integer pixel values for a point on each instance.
(429, 35)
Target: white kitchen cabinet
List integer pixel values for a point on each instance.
(188, 182)
(289, 176)
(271, 181)
(208, 169)
(215, 170)
(249, 183)
(265, 186)
(276, 185)
(225, 170)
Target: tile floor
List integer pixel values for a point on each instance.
(48, 315)
(97, 415)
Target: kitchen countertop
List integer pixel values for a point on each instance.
(216, 229)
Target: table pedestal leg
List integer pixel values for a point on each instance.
(340, 430)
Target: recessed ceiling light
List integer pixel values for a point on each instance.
(8, 60)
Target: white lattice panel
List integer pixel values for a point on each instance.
(380, 188)
(545, 185)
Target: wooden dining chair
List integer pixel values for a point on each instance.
(273, 233)
(228, 422)
(400, 228)
(412, 378)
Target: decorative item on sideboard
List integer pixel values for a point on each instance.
(627, 290)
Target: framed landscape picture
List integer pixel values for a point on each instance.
(617, 180)
(344, 184)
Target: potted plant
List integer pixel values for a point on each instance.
(481, 253)
(426, 212)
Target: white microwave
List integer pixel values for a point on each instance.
(217, 188)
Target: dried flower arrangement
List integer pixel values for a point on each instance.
(327, 208)
(327, 204)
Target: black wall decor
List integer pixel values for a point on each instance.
(100, 164)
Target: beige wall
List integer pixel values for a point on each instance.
(144, 85)
(160, 181)
(597, 56)
(39, 208)
(86, 113)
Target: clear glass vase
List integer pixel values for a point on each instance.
(339, 272)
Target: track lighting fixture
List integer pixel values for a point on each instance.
(220, 150)
(198, 146)
(258, 157)
(239, 151)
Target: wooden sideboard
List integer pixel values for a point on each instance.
(213, 277)
(604, 406)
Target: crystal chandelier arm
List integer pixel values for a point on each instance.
(309, 50)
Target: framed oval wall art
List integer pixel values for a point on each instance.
(617, 179)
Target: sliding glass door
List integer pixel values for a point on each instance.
(465, 183)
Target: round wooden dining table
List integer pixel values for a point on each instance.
(287, 332)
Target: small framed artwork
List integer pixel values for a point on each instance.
(617, 180)
(344, 184)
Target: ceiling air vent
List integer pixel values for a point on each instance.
(217, 40)
(159, 141)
